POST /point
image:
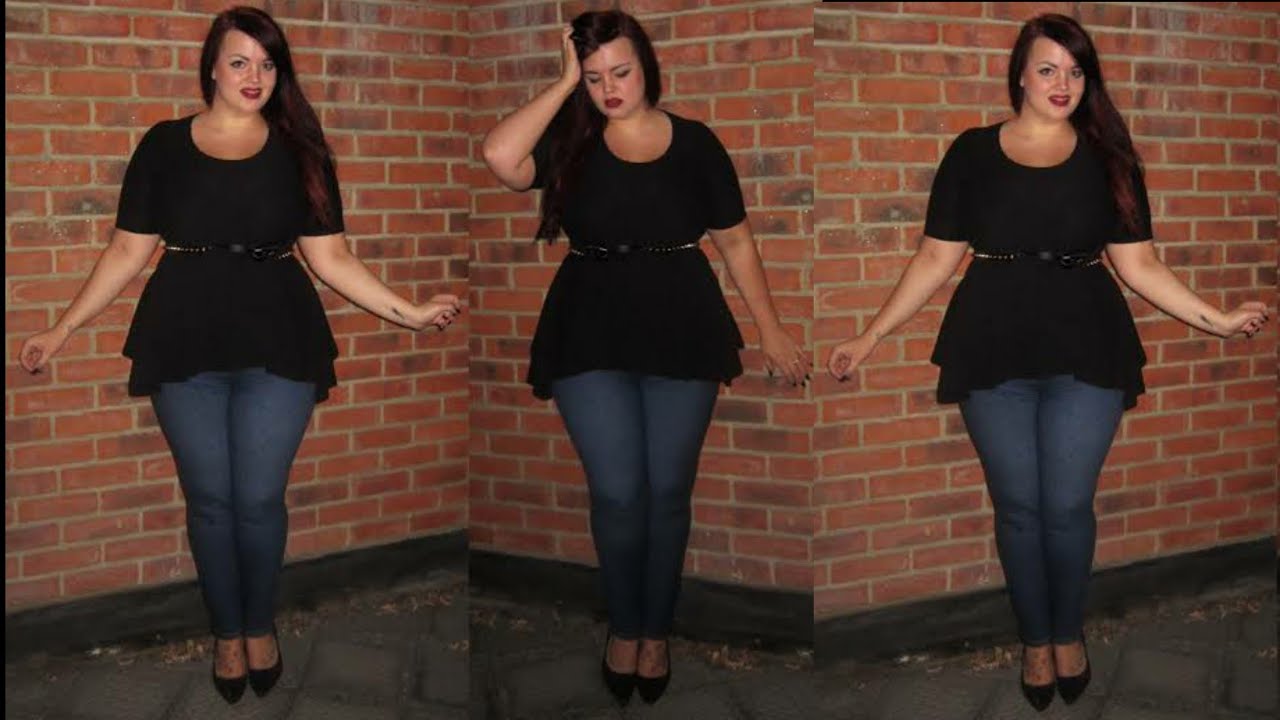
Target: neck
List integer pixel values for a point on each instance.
(225, 118)
(633, 122)
(1036, 126)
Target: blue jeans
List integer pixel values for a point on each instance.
(234, 436)
(639, 437)
(1042, 443)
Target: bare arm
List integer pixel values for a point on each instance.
(746, 270)
(121, 261)
(331, 260)
(930, 268)
(508, 148)
(1142, 270)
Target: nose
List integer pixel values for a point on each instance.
(255, 73)
(608, 84)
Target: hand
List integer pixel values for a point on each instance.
(570, 70)
(1248, 318)
(440, 312)
(38, 348)
(783, 356)
(848, 355)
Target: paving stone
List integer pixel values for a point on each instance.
(1162, 680)
(202, 702)
(343, 671)
(942, 697)
(1009, 704)
(1251, 682)
(433, 711)
(124, 693)
(777, 696)
(1125, 712)
(315, 708)
(710, 703)
(449, 623)
(1182, 635)
(553, 684)
(443, 674)
(1259, 630)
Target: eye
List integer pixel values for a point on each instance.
(1045, 71)
(622, 74)
(1077, 73)
(268, 66)
(593, 79)
(237, 63)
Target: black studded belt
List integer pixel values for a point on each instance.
(260, 252)
(1067, 260)
(596, 252)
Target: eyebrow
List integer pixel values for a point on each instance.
(1054, 64)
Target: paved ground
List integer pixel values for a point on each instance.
(1206, 658)
(402, 655)
(538, 663)
(381, 656)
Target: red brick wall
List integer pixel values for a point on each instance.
(903, 511)
(91, 502)
(744, 68)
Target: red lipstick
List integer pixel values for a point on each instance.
(612, 103)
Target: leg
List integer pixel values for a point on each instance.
(269, 416)
(677, 414)
(602, 413)
(1002, 424)
(193, 417)
(1077, 425)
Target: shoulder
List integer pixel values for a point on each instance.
(976, 138)
(165, 134)
(698, 134)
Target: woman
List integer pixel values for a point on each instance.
(1038, 345)
(229, 338)
(634, 335)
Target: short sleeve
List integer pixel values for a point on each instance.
(1125, 235)
(332, 223)
(943, 219)
(723, 192)
(136, 211)
(542, 160)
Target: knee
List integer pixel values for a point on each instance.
(260, 508)
(1067, 514)
(620, 494)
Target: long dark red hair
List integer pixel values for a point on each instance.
(287, 110)
(1096, 116)
(578, 121)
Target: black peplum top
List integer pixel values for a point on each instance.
(217, 310)
(1027, 319)
(659, 313)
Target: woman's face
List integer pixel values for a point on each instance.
(1052, 82)
(244, 74)
(615, 79)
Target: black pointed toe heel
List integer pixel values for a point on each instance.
(1072, 687)
(263, 680)
(1038, 696)
(619, 684)
(651, 689)
(230, 689)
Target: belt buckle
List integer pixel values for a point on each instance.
(1069, 261)
(259, 253)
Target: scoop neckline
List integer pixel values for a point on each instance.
(191, 139)
(658, 159)
(1000, 149)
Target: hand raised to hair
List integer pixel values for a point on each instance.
(570, 69)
